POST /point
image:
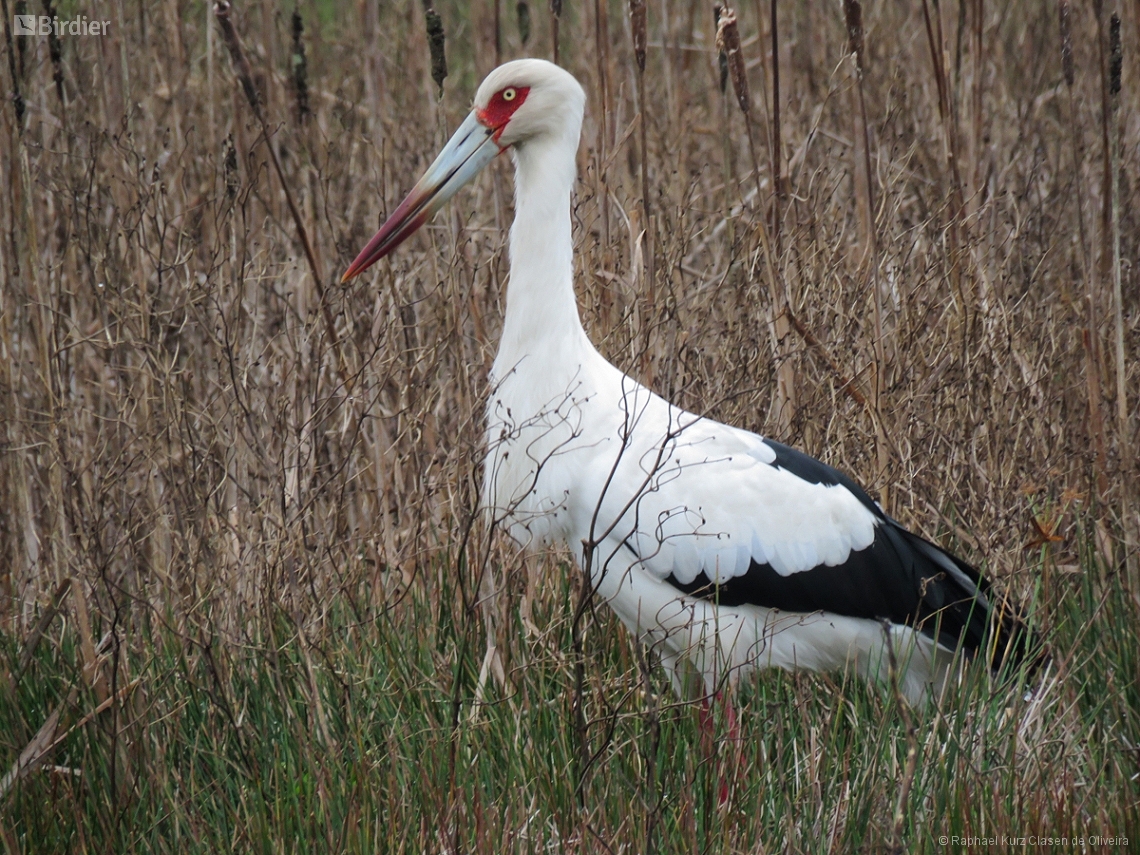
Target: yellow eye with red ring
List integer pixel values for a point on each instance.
(509, 94)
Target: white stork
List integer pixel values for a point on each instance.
(721, 549)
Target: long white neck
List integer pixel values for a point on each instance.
(541, 321)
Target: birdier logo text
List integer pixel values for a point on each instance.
(48, 25)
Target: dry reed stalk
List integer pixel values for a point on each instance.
(522, 11)
(21, 553)
(779, 191)
(114, 110)
(864, 200)
(174, 28)
(639, 31)
(270, 84)
(974, 191)
(721, 57)
(92, 674)
(601, 57)
(245, 77)
(764, 36)
(938, 58)
(1105, 247)
(49, 737)
(1123, 414)
(728, 41)
(555, 20)
(17, 95)
(639, 27)
(38, 750)
(868, 264)
(1090, 337)
(327, 739)
(125, 87)
(976, 140)
(211, 122)
(847, 384)
(372, 37)
(55, 52)
(728, 165)
(667, 108)
(42, 320)
(299, 69)
(496, 6)
(37, 633)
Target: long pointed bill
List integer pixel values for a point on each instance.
(469, 150)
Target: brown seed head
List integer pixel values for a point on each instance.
(436, 45)
(237, 54)
(721, 59)
(637, 25)
(300, 75)
(853, 12)
(1116, 56)
(728, 42)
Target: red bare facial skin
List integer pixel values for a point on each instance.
(499, 110)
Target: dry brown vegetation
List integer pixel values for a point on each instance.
(204, 439)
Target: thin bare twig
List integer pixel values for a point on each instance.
(245, 77)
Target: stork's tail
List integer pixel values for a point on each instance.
(987, 623)
(1011, 643)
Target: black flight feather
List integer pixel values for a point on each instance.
(900, 577)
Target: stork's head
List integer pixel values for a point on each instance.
(521, 103)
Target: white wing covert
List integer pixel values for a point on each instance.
(713, 499)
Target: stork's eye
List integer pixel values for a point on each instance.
(509, 94)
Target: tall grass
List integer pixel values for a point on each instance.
(218, 747)
(246, 598)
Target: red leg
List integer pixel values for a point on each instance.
(708, 728)
(736, 750)
(730, 717)
(709, 741)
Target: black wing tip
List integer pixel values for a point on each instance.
(991, 624)
(954, 604)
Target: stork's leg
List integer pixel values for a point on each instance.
(709, 741)
(731, 719)
(705, 717)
